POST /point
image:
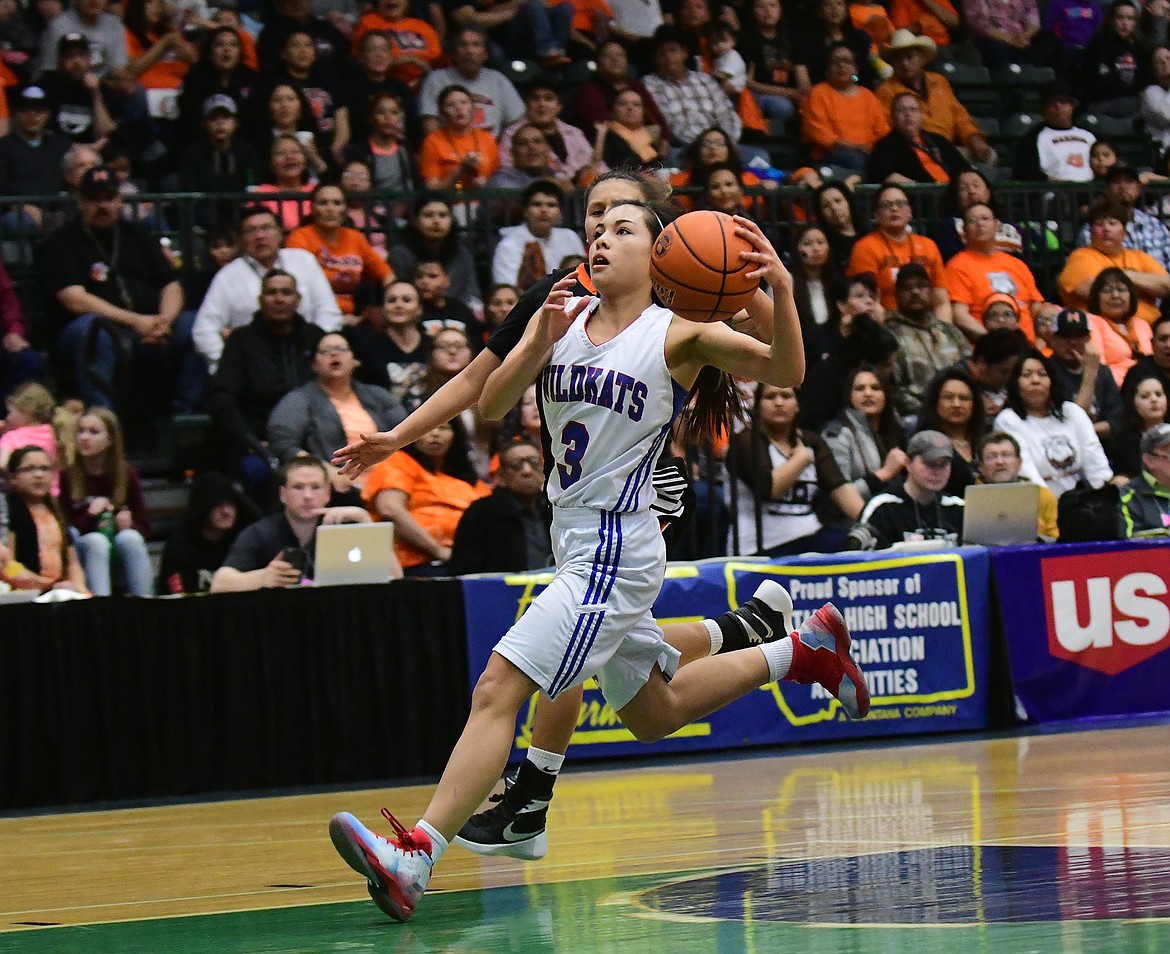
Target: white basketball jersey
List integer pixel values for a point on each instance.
(608, 409)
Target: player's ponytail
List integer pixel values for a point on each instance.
(715, 406)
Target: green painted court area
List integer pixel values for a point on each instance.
(957, 900)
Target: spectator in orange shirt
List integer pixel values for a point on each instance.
(456, 155)
(843, 120)
(942, 113)
(159, 56)
(982, 270)
(891, 245)
(345, 256)
(933, 18)
(1107, 223)
(414, 44)
(423, 490)
(591, 19)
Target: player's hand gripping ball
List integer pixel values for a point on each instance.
(696, 269)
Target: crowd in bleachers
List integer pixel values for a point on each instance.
(349, 261)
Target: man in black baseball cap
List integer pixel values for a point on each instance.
(30, 156)
(1076, 365)
(73, 86)
(1143, 231)
(112, 291)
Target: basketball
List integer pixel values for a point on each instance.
(696, 270)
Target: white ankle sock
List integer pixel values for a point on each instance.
(716, 636)
(779, 657)
(549, 762)
(438, 842)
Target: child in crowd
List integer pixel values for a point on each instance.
(730, 69)
(1001, 311)
(101, 496)
(35, 549)
(500, 301)
(440, 311)
(30, 423)
(222, 248)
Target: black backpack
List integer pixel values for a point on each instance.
(1085, 513)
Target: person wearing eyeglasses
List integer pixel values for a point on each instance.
(893, 245)
(311, 418)
(35, 551)
(230, 302)
(1145, 500)
(509, 530)
(841, 119)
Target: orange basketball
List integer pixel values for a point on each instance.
(696, 270)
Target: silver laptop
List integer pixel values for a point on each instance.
(353, 553)
(1000, 515)
(18, 596)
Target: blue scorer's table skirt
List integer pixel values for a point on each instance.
(920, 629)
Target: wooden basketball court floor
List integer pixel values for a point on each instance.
(1053, 842)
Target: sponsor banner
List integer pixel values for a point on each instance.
(1094, 642)
(920, 632)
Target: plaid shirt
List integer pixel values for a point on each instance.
(1145, 233)
(691, 105)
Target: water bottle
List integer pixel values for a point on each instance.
(106, 525)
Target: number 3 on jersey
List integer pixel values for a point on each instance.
(574, 438)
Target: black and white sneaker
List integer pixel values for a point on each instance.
(516, 826)
(767, 616)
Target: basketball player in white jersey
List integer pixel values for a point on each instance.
(611, 392)
(516, 826)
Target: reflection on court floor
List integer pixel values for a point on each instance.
(1048, 843)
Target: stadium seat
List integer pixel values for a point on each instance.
(1020, 124)
(974, 88)
(1024, 83)
(989, 125)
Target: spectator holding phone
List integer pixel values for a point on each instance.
(278, 550)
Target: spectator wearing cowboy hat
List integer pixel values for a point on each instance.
(931, 18)
(942, 113)
(1057, 151)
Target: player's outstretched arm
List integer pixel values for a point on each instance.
(454, 397)
(511, 379)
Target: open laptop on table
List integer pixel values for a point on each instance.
(18, 596)
(353, 553)
(1000, 515)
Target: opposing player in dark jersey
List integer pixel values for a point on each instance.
(516, 826)
(595, 617)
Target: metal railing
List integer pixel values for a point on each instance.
(1049, 217)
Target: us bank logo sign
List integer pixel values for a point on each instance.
(1108, 611)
